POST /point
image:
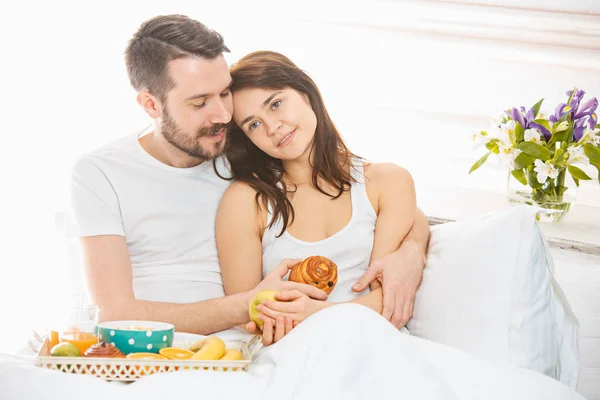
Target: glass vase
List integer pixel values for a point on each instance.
(555, 196)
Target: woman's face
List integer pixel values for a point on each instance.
(280, 122)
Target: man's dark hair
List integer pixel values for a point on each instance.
(162, 39)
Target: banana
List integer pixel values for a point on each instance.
(211, 348)
(232, 354)
(196, 345)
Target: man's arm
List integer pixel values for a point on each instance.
(400, 273)
(109, 279)
(415, 244)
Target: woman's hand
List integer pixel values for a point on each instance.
(280, 317)
(272, 330)
(291, 304)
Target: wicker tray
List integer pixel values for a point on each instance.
(126, 370)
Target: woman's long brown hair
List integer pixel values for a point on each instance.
(329, 155)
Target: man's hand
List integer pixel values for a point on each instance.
(400, 274)
(274, 281)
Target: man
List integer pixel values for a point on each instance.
(145, 206)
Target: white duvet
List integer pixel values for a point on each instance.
(343, 352)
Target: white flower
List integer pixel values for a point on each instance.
(576, 155)
(533, 135)
(544, 170)
(507, 132)
(591, 136)
(479, 139)
(496, 121)
(507, 156)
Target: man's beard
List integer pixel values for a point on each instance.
(191, 145)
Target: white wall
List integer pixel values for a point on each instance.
(406, 81)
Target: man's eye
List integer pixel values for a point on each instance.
(275, 105)
(197, 106)
(253, 126)
(226, 93)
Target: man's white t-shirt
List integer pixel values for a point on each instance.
(166, 214)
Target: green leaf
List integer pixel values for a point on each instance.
(523, 161)
(571, 96)
(576, 181)
(535, 150)
(480, 162)
(559, 137)
(558, 156)
(532, 179)
(520, 176)
(544, 123)
(492, 146)
(519, 133)
(592, 152)
(536, 107)
(578, 173)
(597, 126)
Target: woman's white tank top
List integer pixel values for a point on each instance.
(350, 248)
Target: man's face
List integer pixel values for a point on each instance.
(199, 107)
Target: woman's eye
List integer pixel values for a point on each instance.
(275, 105)
(197, 106)
(253, 126)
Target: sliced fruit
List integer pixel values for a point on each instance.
(175, 353)
(145, 356)
(143, 370)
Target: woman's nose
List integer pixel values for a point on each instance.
(273, 126)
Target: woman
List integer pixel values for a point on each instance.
(299, 192)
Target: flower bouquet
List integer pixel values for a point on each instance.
(545, 155)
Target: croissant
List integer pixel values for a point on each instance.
(318, 271)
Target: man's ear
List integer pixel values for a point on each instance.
(150, 104)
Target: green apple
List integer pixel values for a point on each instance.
(65, 350)
(257, 299)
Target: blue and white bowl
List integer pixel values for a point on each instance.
(137, 336)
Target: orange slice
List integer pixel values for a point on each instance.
(175, 353)
(145, 356)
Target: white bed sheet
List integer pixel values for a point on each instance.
(344, 352)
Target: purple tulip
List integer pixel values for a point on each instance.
(529, 116)
(561, 110)
(578, 94)
(588, 108)
(580, 126)
(516, 115)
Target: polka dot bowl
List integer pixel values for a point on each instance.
(137, 336)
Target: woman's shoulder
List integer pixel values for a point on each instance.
(382, 174)
(239, 200)
(240, 189)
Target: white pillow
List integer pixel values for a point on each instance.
(488, 290)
